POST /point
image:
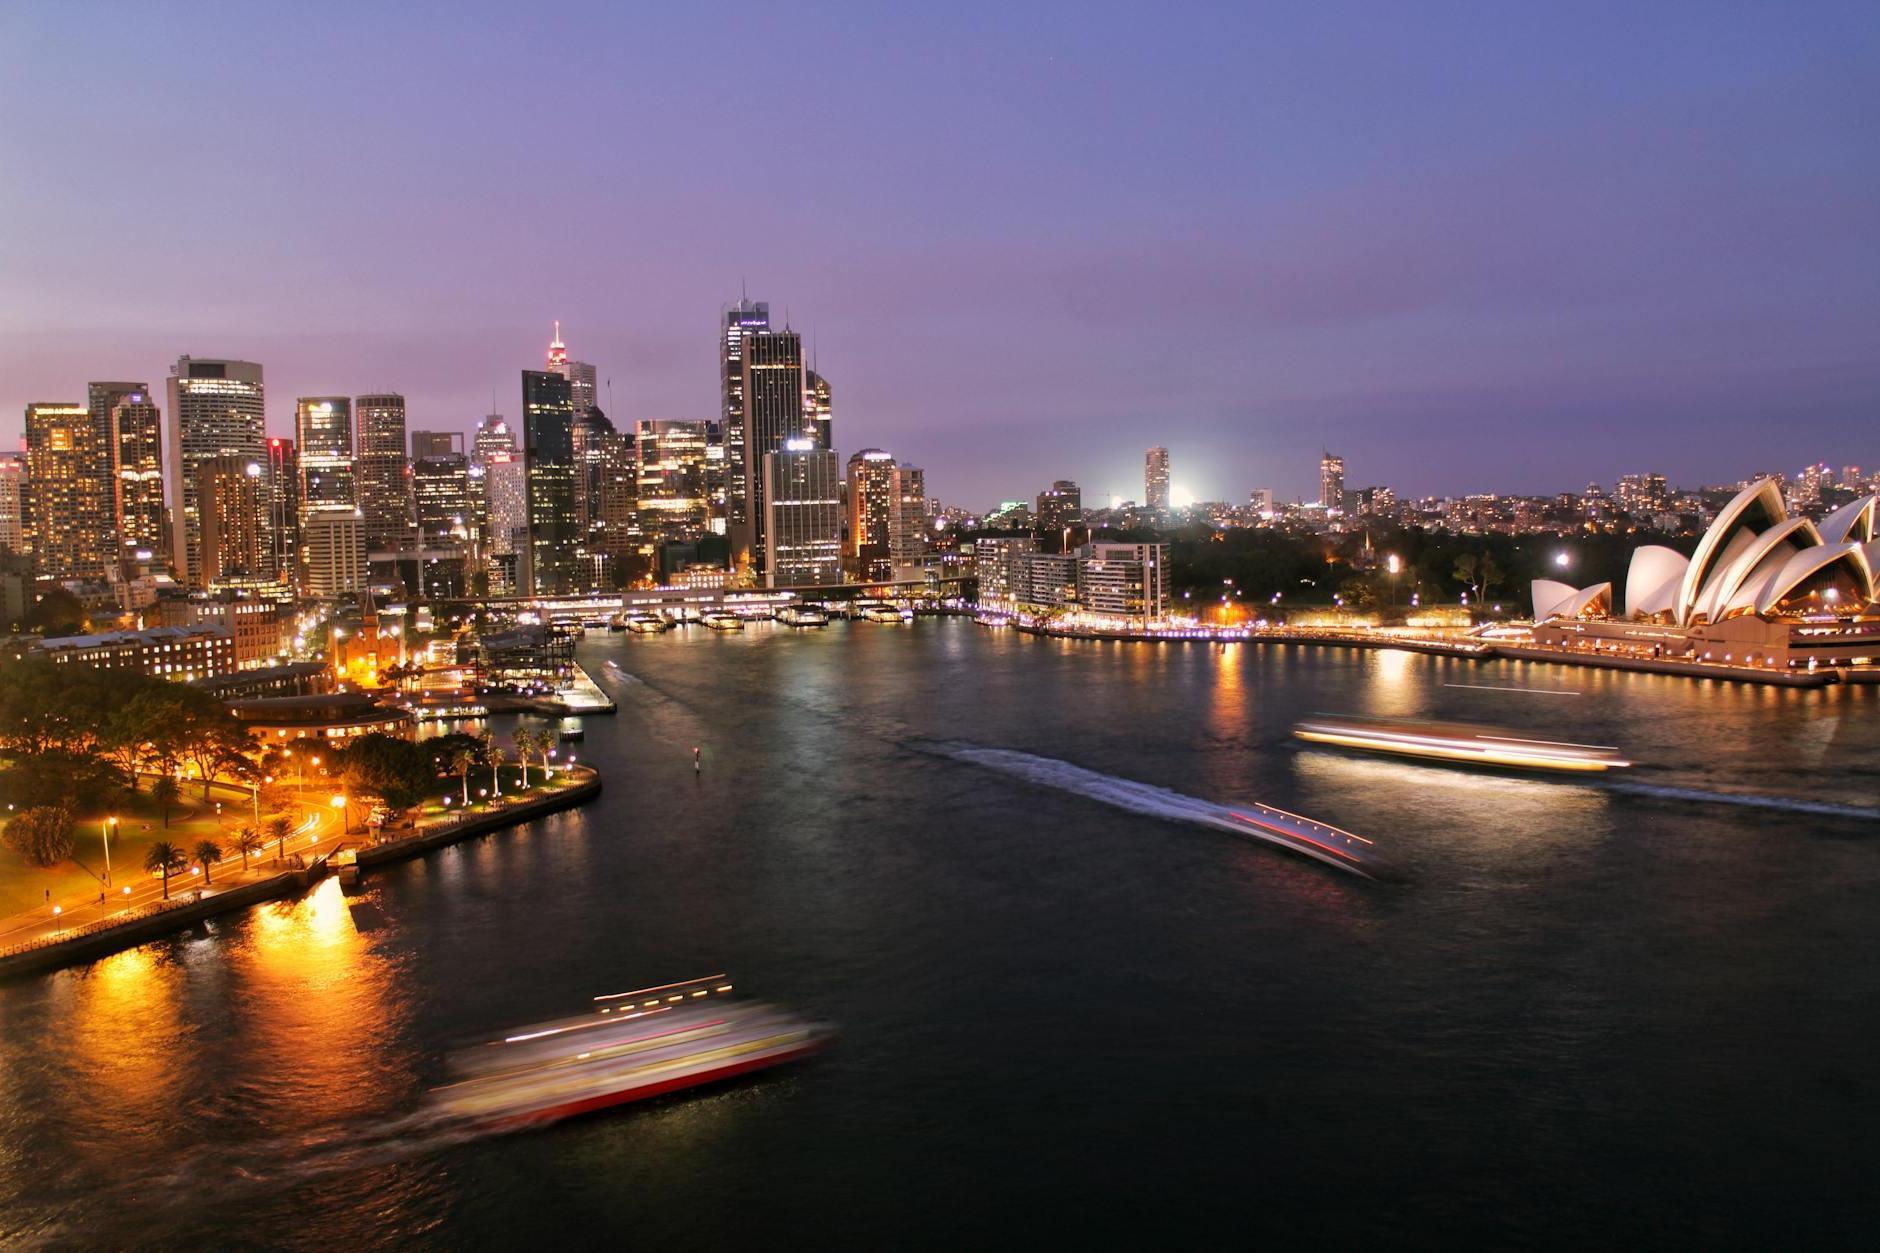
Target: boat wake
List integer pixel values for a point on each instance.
(1749, 799)
(1330, 845)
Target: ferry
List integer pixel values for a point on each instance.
(632, 1046)
(887, 613)
(1460, 744)
(802, 616)
(723, 621)
(647, 623)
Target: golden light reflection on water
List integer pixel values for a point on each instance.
(1398, 683)
(118, 1025)
(1227, 713)
(320, 1005)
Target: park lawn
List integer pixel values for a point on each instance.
(24, 887)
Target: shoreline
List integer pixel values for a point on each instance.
(103, 939)
(1472, 651)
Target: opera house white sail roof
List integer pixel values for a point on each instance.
(1754, 559)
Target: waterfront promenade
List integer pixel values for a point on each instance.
(83, 928)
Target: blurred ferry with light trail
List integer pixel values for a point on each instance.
(632, 1047)
(1460, 744)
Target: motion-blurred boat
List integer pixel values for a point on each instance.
(1460, 744)
(634, 1046)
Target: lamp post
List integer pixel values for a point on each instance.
(104, 836)
(345, 819)
(1394, 563)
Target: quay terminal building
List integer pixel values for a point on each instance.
(1762, 589)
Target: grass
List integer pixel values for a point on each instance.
(24, 887)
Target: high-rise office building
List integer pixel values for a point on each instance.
(674, 498)
(1060, 510)
(770, 397)
(907, 523)
(617, 512)
(102, 399)
(283, 480)
(435, 443)
(67, 501)
(492, 436)
(440, 485)
(580, 375)
(736, 324)
(134, 425)
(590, 435)
(216, 409)
(333, 554)
(384, 473)
(1155, 480)
(550, 559)
(818, 407)
(803, 515)
(871, 506)
(506, 486)
(232, 495)
(1331, 481)
(323, 431)
(12, 504)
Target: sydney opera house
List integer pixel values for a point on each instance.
(1762, 589)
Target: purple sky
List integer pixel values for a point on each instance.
(1470, 247)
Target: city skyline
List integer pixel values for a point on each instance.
(1439, 243)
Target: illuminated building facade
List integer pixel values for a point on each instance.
(773, 416)
(134, 426)
(323, 432)
(996, 564)
(871, 506)
(818, 407)
(738, 323)
(12, 504)
(1123, 580)
(103, 399)
(440, 486)
(907, 522)
(68, 501)
(1155, 493)
(549, 559)
(216, 409)
(283, 476)
(232, 495)
(1060, 511)
(333, 554)
(803, 523)
(674, 503)
(384, 473)
(1331, 481)
(180, 654)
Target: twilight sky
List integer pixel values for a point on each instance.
(1494, 246)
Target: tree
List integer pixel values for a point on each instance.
(496, 756)
(207, 852)
(279, 827)
(247, 841)
(166, 859)
(524, 741)
(57, 613)
(398, 771)
(42, 835)
(165, 791)
(460, 763)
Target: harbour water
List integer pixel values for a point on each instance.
(1640, 1008)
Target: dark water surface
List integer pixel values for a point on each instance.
(1590, 1016)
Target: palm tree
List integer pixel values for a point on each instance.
(247, 841)
(166, 859)
(278, 828)
(208, 852)
(164, 790)
(496, 760)
(461, 761)
(524, 740)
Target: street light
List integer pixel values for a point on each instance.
(1563, 559)
(104, 835)
(345, 823)
(1393, 563)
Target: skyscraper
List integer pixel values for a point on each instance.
(803, 524)
(548, 451)
(323, 429)
(283, 480)
(216, 410)
(384, 474)
(492, 436)
(135, 426)
(769, 397)
(333, 554)
(232, 494)
(674, 487)
(1331, 481)
(1155, 480)
(872, 504)
(12, 504)
(818, 407)
(67, 505)
(737, 322)
(440, 486)
(590, 433)
(102, 399)
(907, 524)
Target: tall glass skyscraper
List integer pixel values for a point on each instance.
(385, 496)
(550, 559)
(216, 410)
(323, 430)
(67, 500)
